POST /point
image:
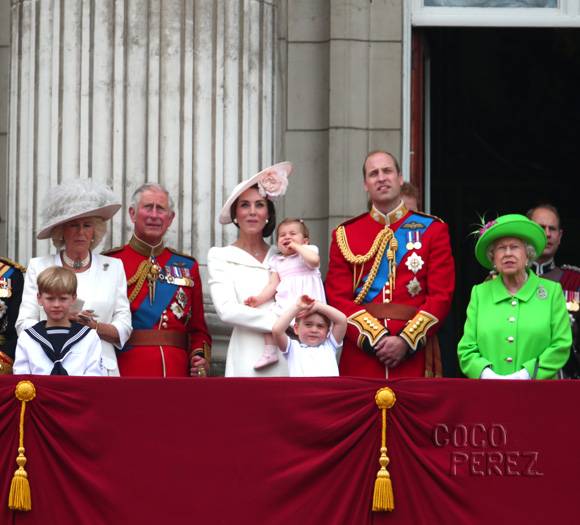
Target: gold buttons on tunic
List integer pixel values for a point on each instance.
(163, 324)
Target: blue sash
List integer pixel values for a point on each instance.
(7, 273)
(147, 315)
(382, 277)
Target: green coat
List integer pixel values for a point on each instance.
(509, 332)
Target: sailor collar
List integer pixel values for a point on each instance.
(387, 219)
(142, 248)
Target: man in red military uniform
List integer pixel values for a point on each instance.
(392, 274)
(548, 217)
(170, 336)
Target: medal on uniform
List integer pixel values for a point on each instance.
(181, 297)
(177, 310)
(572, 301)
(414, 262)
(5, 288)
(414, 240)
(414, 287)
(542, 293)
(417, 244)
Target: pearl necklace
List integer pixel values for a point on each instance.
(76, 264)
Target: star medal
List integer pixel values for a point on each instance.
(181, 297)
(414, 287)
(414, 262)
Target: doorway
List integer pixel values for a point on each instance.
(505, 135)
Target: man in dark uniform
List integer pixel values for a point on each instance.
(170, 336)
(392, 274)
(11, 283)
(547, 216)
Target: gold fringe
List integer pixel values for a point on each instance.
(19, 497)
(385, 238)
(383, 499)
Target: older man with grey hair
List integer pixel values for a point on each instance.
(170, 336)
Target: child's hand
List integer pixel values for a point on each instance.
(252, 301)
(305, 304)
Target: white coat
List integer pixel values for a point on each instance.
(234, 275)
(103, 288)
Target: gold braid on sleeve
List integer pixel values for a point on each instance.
(382, 240)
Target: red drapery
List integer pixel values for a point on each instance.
(291, 451)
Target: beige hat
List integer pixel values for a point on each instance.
(272, 183)
(76, 199)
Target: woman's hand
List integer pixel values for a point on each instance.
(85, 317)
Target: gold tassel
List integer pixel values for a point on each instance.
(383, 499)
(19, 497)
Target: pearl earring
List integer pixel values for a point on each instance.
(235, 221)
(267, 221)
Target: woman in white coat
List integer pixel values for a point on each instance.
(75, 215)
(240, 270)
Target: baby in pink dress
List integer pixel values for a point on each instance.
(295, 272)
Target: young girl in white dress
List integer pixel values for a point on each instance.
(295, 272)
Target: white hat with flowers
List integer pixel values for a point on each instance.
(272, 183)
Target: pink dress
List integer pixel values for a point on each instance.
(296, 279)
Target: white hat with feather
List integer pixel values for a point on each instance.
(75, 199)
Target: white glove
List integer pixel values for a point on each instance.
(520, 374)
(488, 373)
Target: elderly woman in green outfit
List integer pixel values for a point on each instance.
(517, 325)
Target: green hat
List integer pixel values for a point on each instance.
(512, 225)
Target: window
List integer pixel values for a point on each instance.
(499, 13)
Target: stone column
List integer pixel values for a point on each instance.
(181, 92)
(344, 97)
(365, 95)
(125, 91)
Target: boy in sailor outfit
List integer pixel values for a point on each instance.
(58, 346)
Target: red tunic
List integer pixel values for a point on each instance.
(179, 308)
(426, 282)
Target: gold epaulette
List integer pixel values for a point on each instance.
(173, 250)
(570, 268)
(416, 328)
(112, 250)
(428, 215)
(353, 219)
(16, 265)
(368, 326)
